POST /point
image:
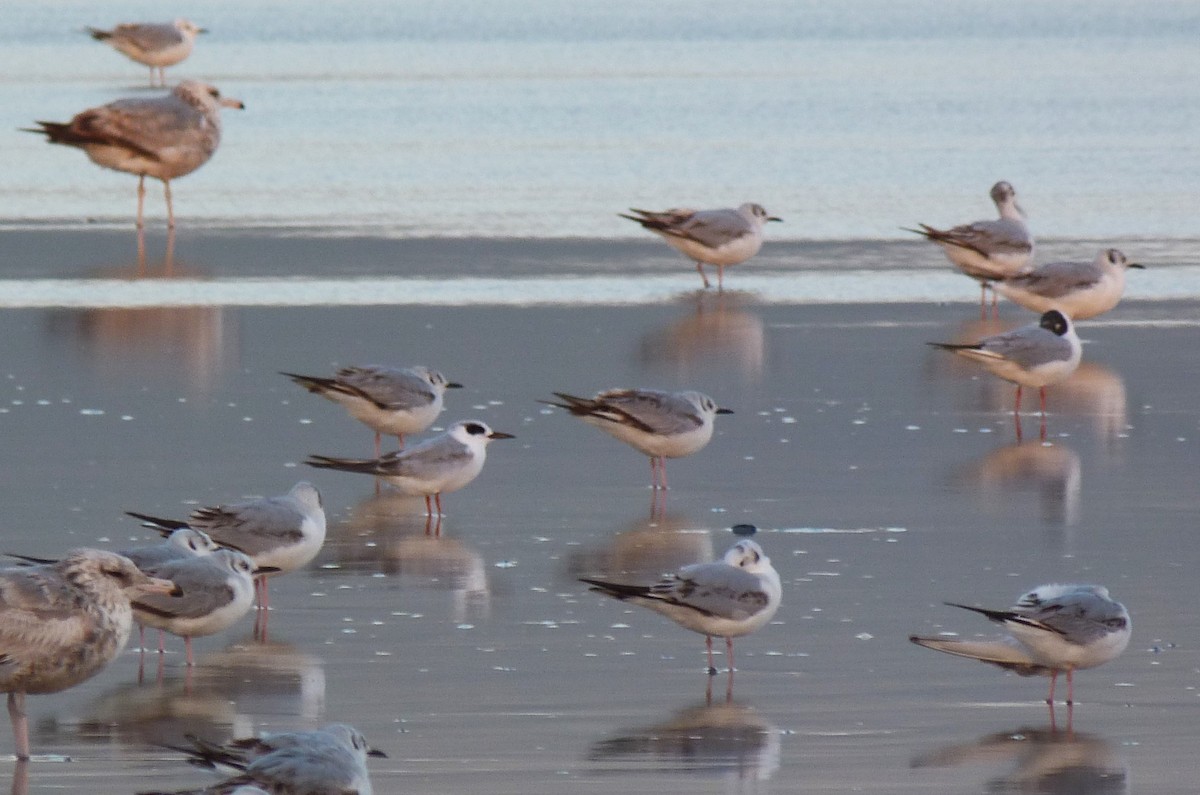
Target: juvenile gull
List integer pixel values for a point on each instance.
(61, 623)
(660, 424)
(1077, 289)
(155, 44)
(988, 250)
(216, 590)
(717, 237)
(728, 598)
(445, 463)
(163, 137)
(391, 400)
(280, 534)
(1052, 629)
(1037, 355)
(331, 760)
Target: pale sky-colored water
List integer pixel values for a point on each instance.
(542, 119)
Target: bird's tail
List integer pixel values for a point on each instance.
(617, 590)
(164, 526)
(368, 466)
(1004, 652)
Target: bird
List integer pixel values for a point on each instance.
(279, 534)
(216, 591)
(1052, 629)
(660, 424)
(727, 598)
(723, 237)
(1036, 355)
(331, 760)
(1078, 289)
(185, 542)
(988, 250)
(154, 44)
(61, 623)
(444, 463)
(389, 400)
(162, 137)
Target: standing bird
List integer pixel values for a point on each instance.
(155, 44)
(164, 137)
(660, 424)
(215, 592)
(61, 623)
(445, 463)
(1052, 629)
(988, 250)
(1037, 355)
(280, 534)
(727, 598)
(389, 400)
(1077, 289)
(717, 237)
(331, 760)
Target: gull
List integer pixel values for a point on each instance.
(1078, 289)
(331, 760)
(1052, 629)
(155, 44)
(185, 542)
(988, 250)
(660, 424)
(1036, 355)
(216, 590)
(391, 400)
(279, 534)
(445, 463)
(727, 598)
(163, 137)
(62, 622)
(717, 237)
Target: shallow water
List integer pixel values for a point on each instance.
(882, 474)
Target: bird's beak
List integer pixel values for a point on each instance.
(500, 435)
(158, 585)
(202, 30)
(230, 102)
(724, 411)
(375, 752)
(454, 385)
(1137, 265)
(773, 218)
(263, 570)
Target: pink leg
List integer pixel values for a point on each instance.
(720, 278)
(712, 669)
(1017, 414)
(983, 300)
(437, 499)
(170, 206)
(400, 439)
(700, 270)
(20, 723)
(428, 506)
(1070, 686)
(187, 647)
(662, 471)
(378, 444)
(162, 642)
(729, 654)
(1053, 680)
(141, 194)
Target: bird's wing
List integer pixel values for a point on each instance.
(388, 387)
(648, 410)
(251, 527)
(715, 589)
(148, 36)
(1056, 279)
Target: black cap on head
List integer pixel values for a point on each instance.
(1055, 321)
(744, 530)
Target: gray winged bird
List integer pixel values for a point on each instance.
(715, 237)
(1077, 289)
(391, 400)
(988, 250)
(161, 137)
(727, 598)
(1052, 629)
(155, 44)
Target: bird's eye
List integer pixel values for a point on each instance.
(475, 429)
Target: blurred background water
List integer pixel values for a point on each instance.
(534, 118)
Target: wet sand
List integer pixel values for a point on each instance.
(884, 477)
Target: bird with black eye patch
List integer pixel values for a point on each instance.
(1036, 355)
(659, 424)
(445, 463)
(392, 400)
(988, 250)
(724, 237)
(727, 598)
(1052, 629)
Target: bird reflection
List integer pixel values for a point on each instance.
(196, 341)
(717, 334)
(383, 533)
(1048, 760)
(645, 550)
(1051, 471)
(729, 739)
(1096, 392)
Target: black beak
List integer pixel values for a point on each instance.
(724, 411)
(454, 385)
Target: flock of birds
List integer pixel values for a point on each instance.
(62, 621)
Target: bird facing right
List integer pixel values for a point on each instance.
(155, 44)
(717, 237)
(660, 424)
(727, 598)
(1078, 289)
(1052, 629)
(161, 137)
(61, 623)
